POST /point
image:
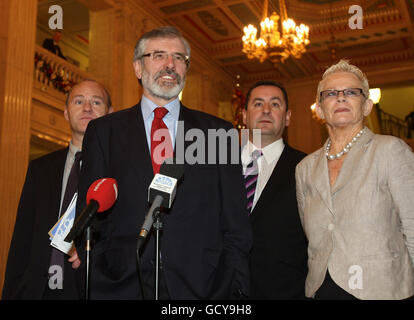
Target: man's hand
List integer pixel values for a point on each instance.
(74, 258)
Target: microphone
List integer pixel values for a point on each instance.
(161, 193)
(101, 196)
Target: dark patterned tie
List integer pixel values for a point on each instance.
(57, 258)
(72, 184)
(158, 157)
(250, 178)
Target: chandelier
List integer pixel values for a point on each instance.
(272, 44)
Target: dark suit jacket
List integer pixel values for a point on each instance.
(279, 255)
(30, 250)
(206, 236)
(50, 45)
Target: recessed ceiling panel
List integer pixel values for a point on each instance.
(244, 14)
(215, 25)
(185, 6)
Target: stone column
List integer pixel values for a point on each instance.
(193, 91)
(17, 42)
(113, 35)
(210, 93)
(101, 46)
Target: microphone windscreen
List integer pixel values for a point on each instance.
(173, 170)
(104, 191)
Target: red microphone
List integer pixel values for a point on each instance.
(104, 191)
(101, 196)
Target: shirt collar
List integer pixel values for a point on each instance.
(148, 107)
(271, 152)
(73, 150)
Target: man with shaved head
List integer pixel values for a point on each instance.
(35, 269)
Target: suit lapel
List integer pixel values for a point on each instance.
(274, 184)
(320, 176)
(54, 184)
(276, 181)
(135, 140)
(320, 179)
(135, 144)
(186, 123)
(352, 161)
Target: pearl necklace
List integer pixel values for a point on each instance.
(345, 149)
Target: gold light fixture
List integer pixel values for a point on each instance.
(272, 44)
(375, 95)
(315, 114)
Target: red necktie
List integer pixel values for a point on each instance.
(158, 155)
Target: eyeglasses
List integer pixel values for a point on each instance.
(160, 56)
(350, 92)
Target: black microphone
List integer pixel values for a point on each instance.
(161, 193)
(100, 197)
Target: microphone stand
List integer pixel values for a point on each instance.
(88, 251)
(158, 227)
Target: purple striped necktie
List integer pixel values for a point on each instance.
(250, 178)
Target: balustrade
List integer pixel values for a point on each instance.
(54, 72)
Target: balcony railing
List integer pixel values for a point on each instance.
(53, 77)
(54, 72)
(395, 126)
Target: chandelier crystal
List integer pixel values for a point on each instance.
(272, 44)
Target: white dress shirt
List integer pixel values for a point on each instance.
(267, 162)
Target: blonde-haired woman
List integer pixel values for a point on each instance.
(356, 199)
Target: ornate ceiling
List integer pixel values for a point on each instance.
(216, 26)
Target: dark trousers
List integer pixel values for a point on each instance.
(329, 290)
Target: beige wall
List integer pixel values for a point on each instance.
(304, 133)
(397, 101)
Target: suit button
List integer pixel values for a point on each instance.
(330, 227)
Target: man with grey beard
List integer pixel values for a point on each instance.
(206, 235)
